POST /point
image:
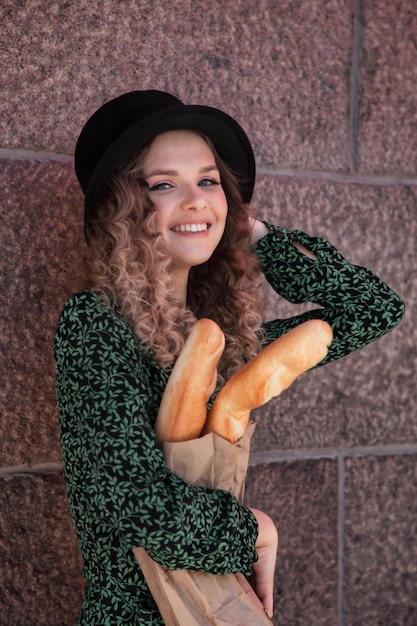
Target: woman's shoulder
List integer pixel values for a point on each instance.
(90, 311)
(90, 325)
(89, 304)
(83, 301)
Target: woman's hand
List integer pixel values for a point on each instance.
(263, 570)
(259, 230)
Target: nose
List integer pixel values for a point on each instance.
(193, 199)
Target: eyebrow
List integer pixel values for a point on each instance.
(202, 170)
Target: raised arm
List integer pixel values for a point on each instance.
(357, 304)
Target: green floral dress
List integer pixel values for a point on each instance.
(109, 388)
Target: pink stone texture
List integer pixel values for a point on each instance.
(40, 562)
(40, 265)
(301, 498)
(381, 549)
(281, 69)
(388, 106)
(326, 92)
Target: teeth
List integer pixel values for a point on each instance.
(190, 228)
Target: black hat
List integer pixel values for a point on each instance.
(121, 127)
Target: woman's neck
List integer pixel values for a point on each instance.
(180, 283)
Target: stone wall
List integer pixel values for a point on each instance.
(327, 92)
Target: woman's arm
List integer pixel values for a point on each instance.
(260, 229)
(357, 304)
(115, 470)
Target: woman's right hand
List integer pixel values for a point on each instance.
(264, 569)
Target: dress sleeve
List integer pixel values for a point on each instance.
(112, 461)
(357, 304)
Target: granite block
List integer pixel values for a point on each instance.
(282, 69)
(40, 562)
(40, 265)
(380, 541)
(367, 398)
(301, 497)
(387, 120)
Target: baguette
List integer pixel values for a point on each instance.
(269, 373)
(183, 409)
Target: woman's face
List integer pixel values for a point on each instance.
(185, 189)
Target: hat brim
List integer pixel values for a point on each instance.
(228, 137)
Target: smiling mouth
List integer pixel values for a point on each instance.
(190, 228)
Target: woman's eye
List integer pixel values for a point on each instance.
(206, 182)
(160, 187)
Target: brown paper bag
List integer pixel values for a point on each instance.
(188, 598)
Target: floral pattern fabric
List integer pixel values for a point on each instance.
(109, 388)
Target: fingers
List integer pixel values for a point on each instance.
(264, 569)
(263, 578)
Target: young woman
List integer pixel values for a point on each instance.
(171, 239)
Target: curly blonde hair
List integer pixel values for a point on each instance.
(127, 266)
